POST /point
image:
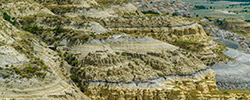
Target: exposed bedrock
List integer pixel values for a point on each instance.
(128, 67)
(181, 32)
(174, 88)
(127, 59)
(29, 70)
(233, 75)
(122, 70)
(163, 6)
(223, 34)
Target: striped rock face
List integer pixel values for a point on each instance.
(122, 61)
(29, 71)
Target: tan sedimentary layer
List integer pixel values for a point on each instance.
(172, 34)
(127, 59)
(128, 67)
(128, 47)
(172, 88)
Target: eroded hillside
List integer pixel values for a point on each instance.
(104, 49)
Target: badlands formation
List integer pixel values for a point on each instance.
(108, 50)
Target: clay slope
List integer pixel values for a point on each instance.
(109, 49)
(122, 66)
(29, 70)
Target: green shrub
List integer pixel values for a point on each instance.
(8, 18)
(71, 59)
(174, 14)
(6, 75)
(136, 62)
(226, 93)
(59, 29)
(17, 70)
(181, 42)
(74, 62)
(44, 74)
(73, 77)
(124, 54)
(199, 7)
(117, 53)
(32, 28)
(31, 69)
(150, 12)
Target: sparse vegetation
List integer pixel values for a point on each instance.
(107, 3)
(73, 77)
(124, 54)
(199, 7)
(118, 53)
(150, 12)
(183, 42)
(247, 20)
(136, 62)
(6, 75)
(32, 28)
(9, 18)
(71, 59)
(59, 29)
(174, 14)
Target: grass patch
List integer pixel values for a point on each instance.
(117, 53)
(183, 42)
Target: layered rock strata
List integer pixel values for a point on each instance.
(163, 6)
(126, 70)
(173, 30)
(233, 75)
(29, 70)
(195, 86)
